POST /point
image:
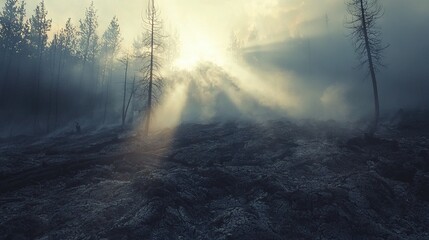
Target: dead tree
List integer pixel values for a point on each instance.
(153, 42)
(367, 42)
(125, 105)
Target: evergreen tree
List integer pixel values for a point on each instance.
(88, 34)
(12, 26)
(13, 32)
(40, 25)
(112, 39)
(110, 46)
(68, 39)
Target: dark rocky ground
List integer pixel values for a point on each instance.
(276, 180)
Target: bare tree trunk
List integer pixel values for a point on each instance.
(149, 100)
(106, 100)
(57, 86)
(85, 59)
(37, 97)
(6, 78)
(51, 88)
(93, 86)
(124, 113)
(372, 71)
(12, 111)
(131, 97)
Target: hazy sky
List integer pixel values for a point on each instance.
(202, 19)
(303, 42)
(210, 23)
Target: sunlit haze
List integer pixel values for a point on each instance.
(214, 119)
(268, 58)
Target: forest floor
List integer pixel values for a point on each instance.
(235, 180)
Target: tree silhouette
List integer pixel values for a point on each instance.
(39, 28)
(110, 45)
(125, 104)
(367, 42)
(88, 36)
(153, 42)
(66, 48)
(13, 33)
(68, 38)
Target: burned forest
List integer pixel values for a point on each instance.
(238, 119)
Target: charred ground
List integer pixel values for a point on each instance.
(235, 180)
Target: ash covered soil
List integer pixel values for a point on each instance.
(272, 180)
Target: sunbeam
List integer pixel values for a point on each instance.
(169, 113)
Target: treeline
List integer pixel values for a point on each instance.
(76, 74)
(82, 73)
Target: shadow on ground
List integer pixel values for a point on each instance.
(274, 180)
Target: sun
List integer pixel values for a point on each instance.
(199, 48)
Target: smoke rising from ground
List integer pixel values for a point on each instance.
(292, 59)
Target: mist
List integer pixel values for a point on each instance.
(261, 60)
(214, 119)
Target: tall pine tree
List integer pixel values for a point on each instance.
(88, 36)
(110, 46)
(40, 25)
(13, 31)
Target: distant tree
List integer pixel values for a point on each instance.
(54, 60)
(40, 25)
(68, 39)
(138, 50)
(110, 45)
(88, 35)
(93, 54)
(153, 43)
(139, 59)
(12, 26)
(13, 32)
(125, 105)
(60, 51)
(236, 45)
(112, 39)
(66, 50)
(172, 48)
(367, 42)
